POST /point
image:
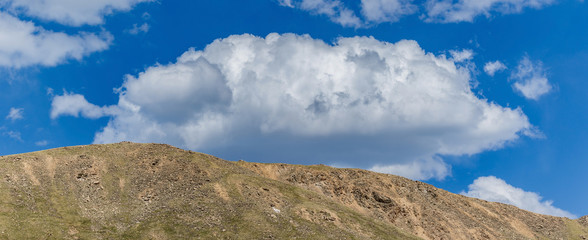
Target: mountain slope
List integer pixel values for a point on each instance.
(422, 209)
(155, 191)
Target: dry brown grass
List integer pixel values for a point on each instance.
(155, 191)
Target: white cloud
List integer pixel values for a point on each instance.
(379, 11)
(461, 56)
(334, 9)
(390, 105)
(14, 135)
(23, 44)
(493, 67)
(468, 10)
(144, 28)
(530, 79)
(75, 105)
(15, 114)
(373, 11)
(497, 190)
(42, 143)
(146, 16)
(433, 167)
(70, 12)
(444, 11)
(286, 3)
(533, 88)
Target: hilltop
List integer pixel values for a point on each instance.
(155, 191)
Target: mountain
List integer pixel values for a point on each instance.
(155, 191)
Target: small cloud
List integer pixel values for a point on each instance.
(76, 105)
(42, 143)
(15, 114)
(14, 135)
(494, 189)
(530, 79)
(335, 10)
(533, 88)
(493, 67)
(474, 41)
(379, 11)
(146, 16)
(286, 3)
(139, 29)
(461, 56)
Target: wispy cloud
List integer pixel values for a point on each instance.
(42, 143)
(73, 13)
(334, 9)
(379, 11)
(461, 55)
(467, 10)
(439, 11)
(14, 135)
(136, 29)
(15, 114)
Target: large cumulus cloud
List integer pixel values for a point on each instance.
(358, 102)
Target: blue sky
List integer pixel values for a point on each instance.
(483, 98)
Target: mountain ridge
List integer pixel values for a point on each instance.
(156, 191)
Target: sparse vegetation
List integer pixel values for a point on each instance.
(154, 191)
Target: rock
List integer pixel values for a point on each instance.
(381, 198)
(276, 210)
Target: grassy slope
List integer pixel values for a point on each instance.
(422, 209)
(153, 191)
